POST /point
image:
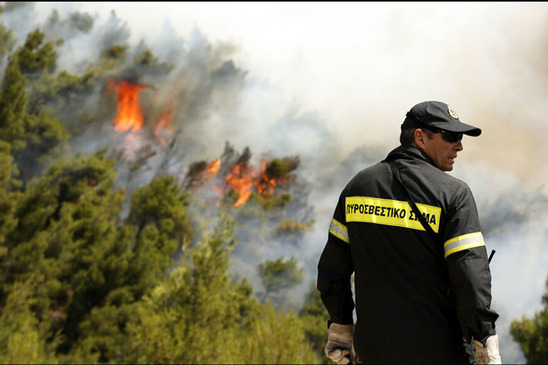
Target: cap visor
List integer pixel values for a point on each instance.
(459, 127)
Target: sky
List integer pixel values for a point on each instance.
(358, 67)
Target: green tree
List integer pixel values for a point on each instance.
(75, 23)
(35, 138)
(156, 226)
(65, 92)
(274, 337)
(6, 42)
(66, 237)
(23, 337)
(278, 275)
(146, 61)
(112, 59)
(67, 234)
(158, 211)
(35, 57)
(314, 317)
(117, 52)
(183, 320)
(82, 22)
(200, 315)
(13, 103)
(145, 58)
(8, 200)
(45, 139)
(532, 334)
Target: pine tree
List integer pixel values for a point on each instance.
(35, 138)
(45, 139)
(158, 212)
(183, 320)
(279, 275)
(200, 315)
(532, 334)
(23, 337)
(66, 237)
(314, 317)
(13, 102)
(138, 259)
(6, 42)
(36, 57)
(8, 221)
(63, 93)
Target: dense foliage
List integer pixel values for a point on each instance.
(532, 334)
(97, 269)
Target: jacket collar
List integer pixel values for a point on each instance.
(409, 153)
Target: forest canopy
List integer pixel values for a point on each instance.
(103, 261)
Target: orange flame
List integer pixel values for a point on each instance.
(212, 169)
(205, 176)
(210, 172)
(265, 186)
(130, 113)
(242, 179)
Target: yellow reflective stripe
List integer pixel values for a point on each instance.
(339, 230)
(463, 242)
(390, 212)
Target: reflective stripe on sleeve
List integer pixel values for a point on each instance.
(463, 242)
(339, 230)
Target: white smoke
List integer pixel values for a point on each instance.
(331, 83)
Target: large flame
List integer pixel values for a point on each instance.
(130, 114)
(130, 118)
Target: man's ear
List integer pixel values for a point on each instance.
(419, 137)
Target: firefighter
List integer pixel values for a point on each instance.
(422, 284)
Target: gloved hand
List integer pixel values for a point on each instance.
(339, 342)
(488, 354)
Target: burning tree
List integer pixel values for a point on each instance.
(233, 176)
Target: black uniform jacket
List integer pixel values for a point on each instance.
(418, 299)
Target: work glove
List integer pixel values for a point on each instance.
(339, 342)
(488, 354)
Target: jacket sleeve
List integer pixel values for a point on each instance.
(468, 266)
(335, 269)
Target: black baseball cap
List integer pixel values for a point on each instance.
(437, 115)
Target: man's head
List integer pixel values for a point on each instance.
(434, 127)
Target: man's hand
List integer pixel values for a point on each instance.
(339, 342)
(488, 354)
